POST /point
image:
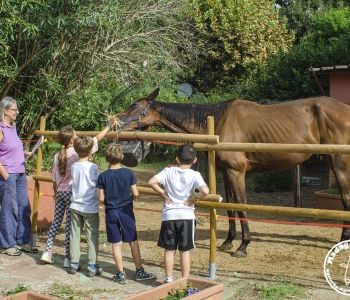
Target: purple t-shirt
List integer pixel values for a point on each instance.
(11, 150)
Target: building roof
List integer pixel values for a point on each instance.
(336, 68)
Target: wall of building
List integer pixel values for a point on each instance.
(340, 86)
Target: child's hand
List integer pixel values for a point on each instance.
(166, 198)
(189, 201)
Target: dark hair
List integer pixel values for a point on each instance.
(186, 154)
(83, 145)
(113, 153)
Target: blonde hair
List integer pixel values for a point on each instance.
(64, 137)
(113, 153)
(83, 145)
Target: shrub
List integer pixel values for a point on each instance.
(273, 181)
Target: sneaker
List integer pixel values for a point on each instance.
(27, 248)
(168, 279)
(47, 258)
(13, 251)
(73, 269)
(95, 272)
(141, 274)
(66, 262)
(120, 277)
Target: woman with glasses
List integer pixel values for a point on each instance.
(15, 224)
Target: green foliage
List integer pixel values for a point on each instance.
(300, 13)
(51, 50)
(329, 25)
(332, 192)
(273, 181)
(18, 289)
(162, 151)
(155, 166)
(49, 151)
(281, 289)
(235, 34)
(181, 292)
(286, 76)
(67, 292)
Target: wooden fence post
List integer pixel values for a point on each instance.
(212, 190)
(37, 188)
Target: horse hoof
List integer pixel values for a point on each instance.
(225, 246)
(239, 253)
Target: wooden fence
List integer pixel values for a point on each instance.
(209, 143)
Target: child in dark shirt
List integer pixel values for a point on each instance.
(114, 187)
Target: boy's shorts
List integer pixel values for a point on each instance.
(177, 234)
(121, 225)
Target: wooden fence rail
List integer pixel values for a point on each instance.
(210, 143)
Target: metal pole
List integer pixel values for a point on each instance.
(37, 188)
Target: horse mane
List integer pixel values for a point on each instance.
(198, 113)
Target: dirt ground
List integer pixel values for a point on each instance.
(292, 252)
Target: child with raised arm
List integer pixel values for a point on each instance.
(84, 207)
(62, 186)
(178, 219)
(115, 187)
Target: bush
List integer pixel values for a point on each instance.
(273, 181)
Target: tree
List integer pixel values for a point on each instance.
(286, 76)
(236, 33)
(50, 49)
(299, 13)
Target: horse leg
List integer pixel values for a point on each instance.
(231, 235)
(340, 165)
(237, 185)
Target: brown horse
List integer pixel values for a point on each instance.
(320, 120)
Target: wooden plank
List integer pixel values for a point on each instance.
(278, 210)
(276, 148)
(185, 137)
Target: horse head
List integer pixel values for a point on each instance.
(138, 115)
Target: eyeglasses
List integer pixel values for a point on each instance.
(13, 109)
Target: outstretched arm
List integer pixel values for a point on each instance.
(102, 133)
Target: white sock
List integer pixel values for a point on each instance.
(169, 278)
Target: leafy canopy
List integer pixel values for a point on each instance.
(51, 49)
(237, 33)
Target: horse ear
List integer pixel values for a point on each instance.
(154, 94)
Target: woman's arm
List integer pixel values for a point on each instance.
(3, 172)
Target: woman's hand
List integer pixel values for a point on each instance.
(6, 176)
(27, 154)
